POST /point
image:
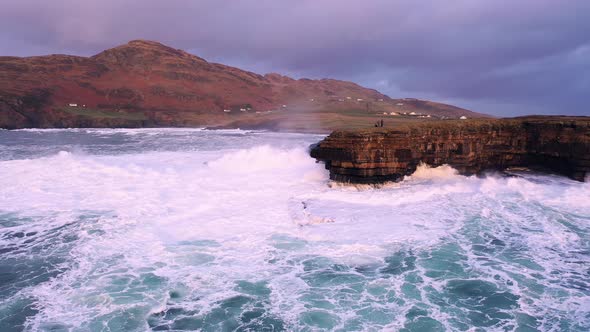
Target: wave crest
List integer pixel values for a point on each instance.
(261, 158)
(427, 172)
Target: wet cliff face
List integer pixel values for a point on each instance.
(556, 144)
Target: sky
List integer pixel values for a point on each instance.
(499, 57)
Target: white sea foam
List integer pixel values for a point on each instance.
(204, 220)
(426, 172)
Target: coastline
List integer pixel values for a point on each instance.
(558, 144)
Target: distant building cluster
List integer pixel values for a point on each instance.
(249, 109)
(76, 105)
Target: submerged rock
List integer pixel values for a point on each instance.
(557, 144)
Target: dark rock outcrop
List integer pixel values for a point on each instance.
(556, 144)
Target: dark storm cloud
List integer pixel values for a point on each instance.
(527, 55)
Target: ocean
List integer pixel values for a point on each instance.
(231, 230)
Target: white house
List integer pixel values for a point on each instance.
(400, 104)
(242, 110)
(393, 113)
(73, 105)
(227, 111)
(412, 113)
(463, 117)
(359, 99)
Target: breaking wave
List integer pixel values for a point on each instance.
(240, 231)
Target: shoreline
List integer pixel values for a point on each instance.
(559, 144)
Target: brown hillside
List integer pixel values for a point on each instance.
(145, 83)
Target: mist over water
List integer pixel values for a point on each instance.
(188, 229)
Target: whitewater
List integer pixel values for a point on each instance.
(232, 230)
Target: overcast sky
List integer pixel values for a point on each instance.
(494, 56)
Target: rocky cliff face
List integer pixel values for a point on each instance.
(146, 83)
(557, 144)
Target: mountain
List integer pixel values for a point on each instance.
(145, 83)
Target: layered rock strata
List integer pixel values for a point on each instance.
(556, 144)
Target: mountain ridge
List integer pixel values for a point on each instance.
(146, 83)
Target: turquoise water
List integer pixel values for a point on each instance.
(182, 230)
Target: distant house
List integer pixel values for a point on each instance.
(384, 113)
(412, 113)
(380, 99)
(393, 113)
(227, 111)
(359, 99)
(400, 104)
(73, 105)
(284, 106)
(428, 116)
(312, 99)
(349, 98)
(463, 117)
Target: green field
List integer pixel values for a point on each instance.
(319, 120)
(108, 114)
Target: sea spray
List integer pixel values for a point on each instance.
(185, 229)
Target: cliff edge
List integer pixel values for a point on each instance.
(557, 144)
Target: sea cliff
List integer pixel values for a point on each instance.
(556, 144)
